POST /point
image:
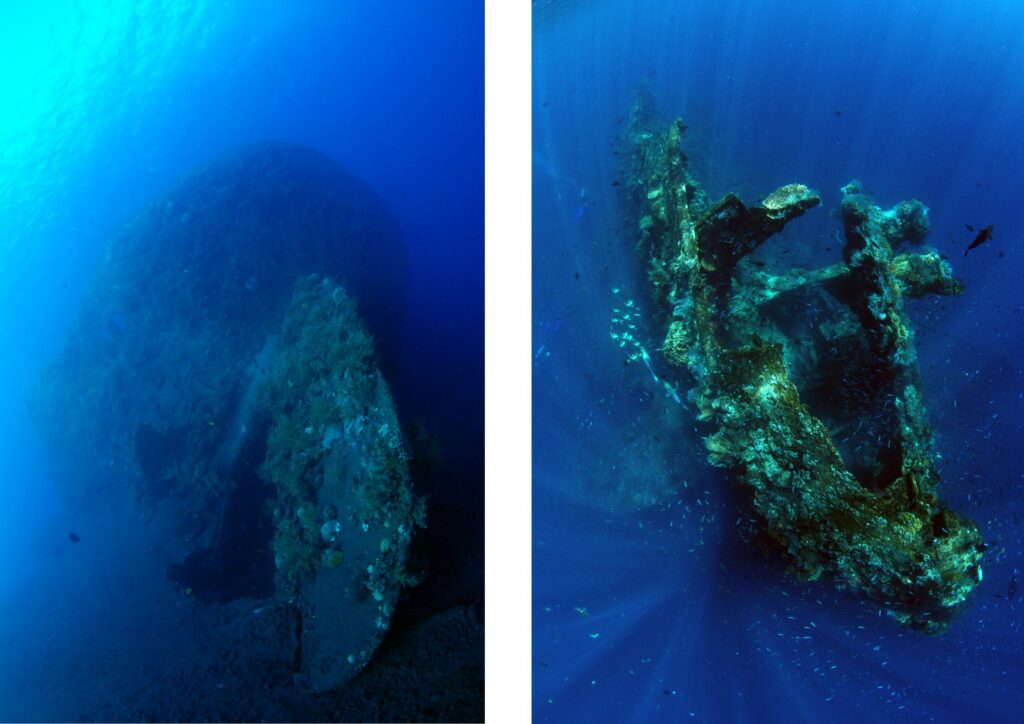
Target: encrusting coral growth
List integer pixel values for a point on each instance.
(333, 418)
(218, 374)
(345, 511)
(821, 417)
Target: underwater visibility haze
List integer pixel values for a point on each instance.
(242, 316)
(776, 361)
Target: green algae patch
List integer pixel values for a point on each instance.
(807, 380)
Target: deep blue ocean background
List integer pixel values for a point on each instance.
(104, 106)
(658, 612)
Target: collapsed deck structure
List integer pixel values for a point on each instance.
(820, 415)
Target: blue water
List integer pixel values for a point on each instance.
(104, 106)
(648, 606)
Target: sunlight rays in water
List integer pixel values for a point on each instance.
(719, 630)
(631, 624)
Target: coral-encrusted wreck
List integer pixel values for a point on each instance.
(820, 416)
(220, 376)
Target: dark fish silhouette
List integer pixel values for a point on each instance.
(983, 236)
(73, 537)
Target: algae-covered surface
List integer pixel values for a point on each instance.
(345, 512)
(174, 546)
(171, 334)
(243, 403)
(821, 419)
(777, 393)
